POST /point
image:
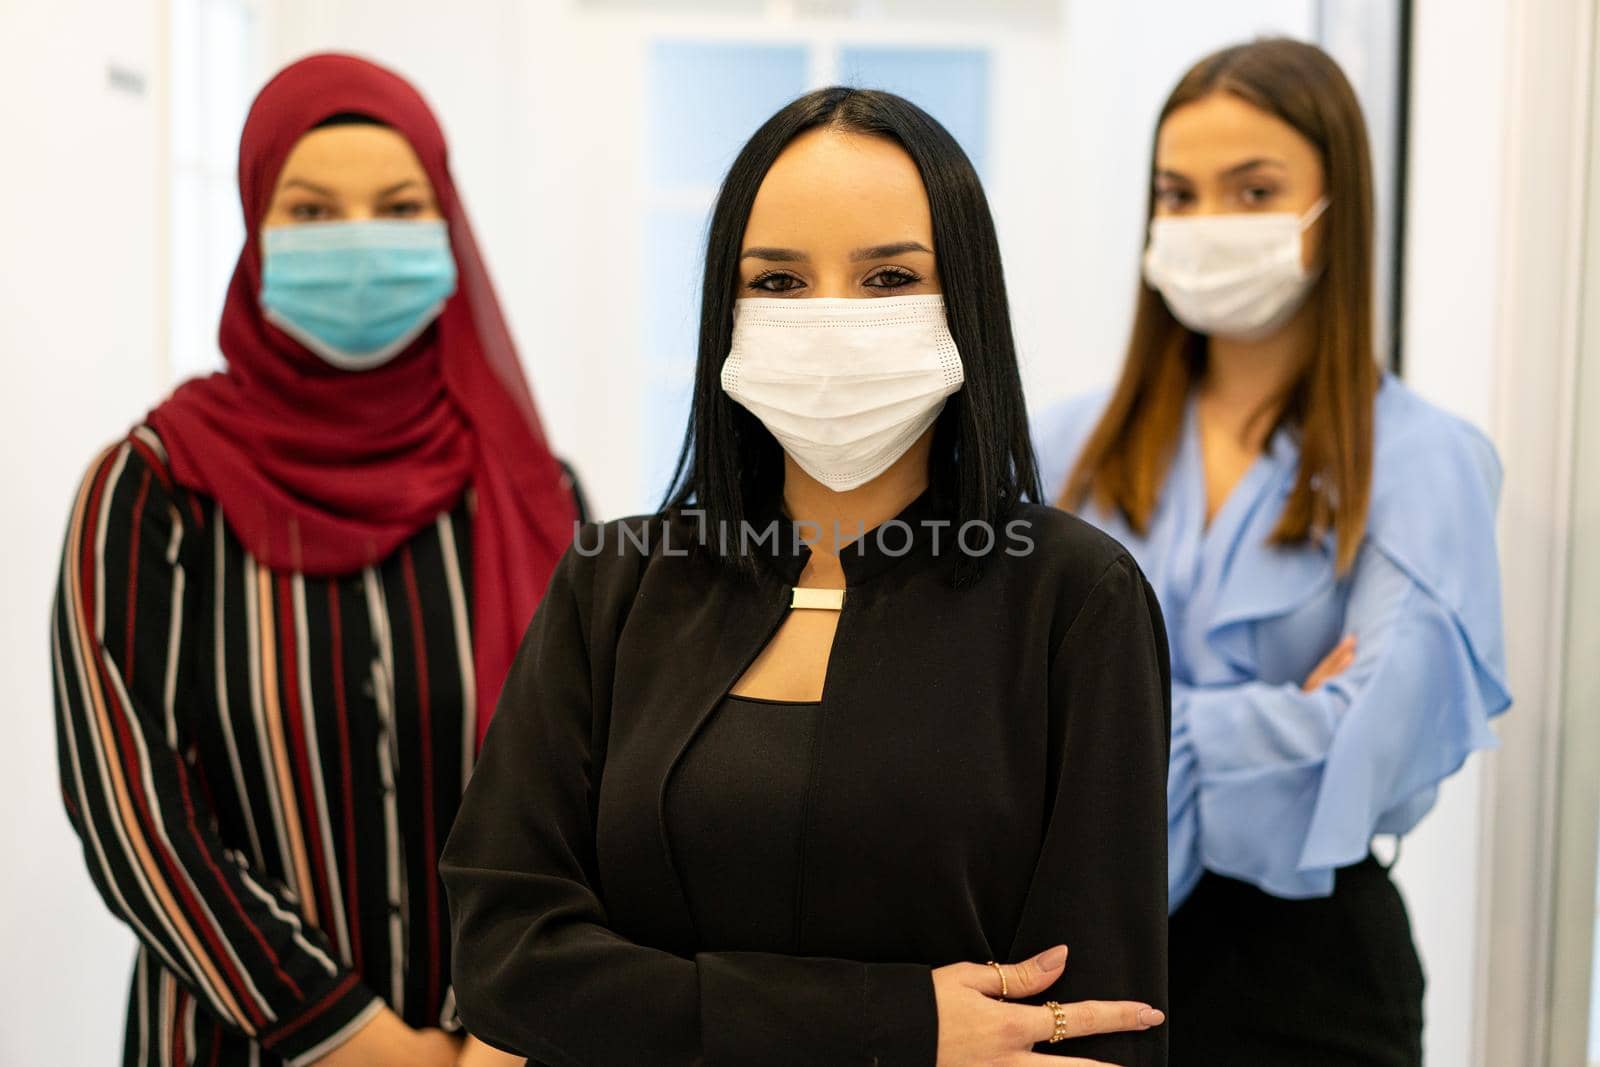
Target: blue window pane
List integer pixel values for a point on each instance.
(707, 99)
(666, 417)
(951, 84)
(674, 250)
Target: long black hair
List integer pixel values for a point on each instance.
(982, 459)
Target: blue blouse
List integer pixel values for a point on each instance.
(1270, 784)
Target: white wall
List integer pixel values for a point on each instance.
(1448, 337)
(1520, 78)
(81, 207)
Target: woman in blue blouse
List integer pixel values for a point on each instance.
(1322, 544)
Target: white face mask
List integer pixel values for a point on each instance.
(1233, 276)
(846, 386)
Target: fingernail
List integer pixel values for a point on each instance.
(1052, 958)
(1151, 1017)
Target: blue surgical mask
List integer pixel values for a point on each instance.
(356, 293)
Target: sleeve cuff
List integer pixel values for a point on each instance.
(903, 1018)
(324, 1024)
(450, 1015)
(760, 1008)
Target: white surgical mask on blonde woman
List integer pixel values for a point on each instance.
(1239, 277)
(846, 386)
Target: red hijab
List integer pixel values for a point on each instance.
(324, 471)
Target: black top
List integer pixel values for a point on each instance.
(989, 779)
(736, 818)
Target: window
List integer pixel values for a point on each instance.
(213, 71)
(706, 99)
(951, 84)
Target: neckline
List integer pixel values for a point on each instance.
(1246, 488)
(909, 535)
(771, 702)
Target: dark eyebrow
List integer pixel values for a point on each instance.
(397, 187)
(1172, 176)
(777, 255)
(790, 255)
(1251, 164)
(886, 251)
(319, 190)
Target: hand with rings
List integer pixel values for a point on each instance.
(977, 1027)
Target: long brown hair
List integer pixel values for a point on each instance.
(1330, 404)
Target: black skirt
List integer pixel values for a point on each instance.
(1259, 981)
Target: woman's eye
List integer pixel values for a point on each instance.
(1172, 198)
(403, 209)
(775, 282)
(892, 278)
(310, 212)
(1256, 195)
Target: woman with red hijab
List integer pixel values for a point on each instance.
(289, 599)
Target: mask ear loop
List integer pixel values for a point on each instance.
(1308, 220)
(1313, 213)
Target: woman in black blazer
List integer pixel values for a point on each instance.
(781, 771)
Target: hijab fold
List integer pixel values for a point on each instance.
(326, 471)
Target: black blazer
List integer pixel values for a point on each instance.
(990, 780)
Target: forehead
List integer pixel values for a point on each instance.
(352, 154)
(830, 187)
(1221, 130)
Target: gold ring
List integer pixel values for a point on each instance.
(1001, 971)
(1060, 1013)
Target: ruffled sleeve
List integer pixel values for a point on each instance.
(1280, 787)
(1433, 519)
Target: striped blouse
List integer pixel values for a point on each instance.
(262, 767)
